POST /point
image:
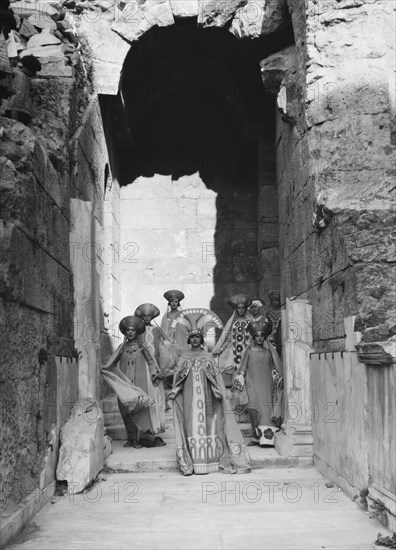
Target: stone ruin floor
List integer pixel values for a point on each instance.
(140, 500)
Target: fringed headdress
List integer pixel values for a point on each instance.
(199, 321)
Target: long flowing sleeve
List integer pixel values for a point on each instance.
(152, 363)
(114, 358)
(225, 337)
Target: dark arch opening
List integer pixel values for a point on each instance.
(193, 97)
(193, 101)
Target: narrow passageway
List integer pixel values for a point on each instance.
(220, 149)
(275, 508)
(142, 501)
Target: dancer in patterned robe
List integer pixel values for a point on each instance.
(207, 436)
(235, 338)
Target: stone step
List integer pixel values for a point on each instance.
(160, 459)
(111, 418)
(117, 431)
(127, 459)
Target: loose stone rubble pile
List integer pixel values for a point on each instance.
(47, 31)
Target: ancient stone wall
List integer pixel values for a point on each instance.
(267, 210)
(179, 233)
(353, 413)
(36, 281)
(38, 285)
(88, 246)
(335, 171)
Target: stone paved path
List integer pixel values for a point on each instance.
(283, 508)
(284, 505)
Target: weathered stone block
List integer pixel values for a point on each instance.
(45, 38)
(185, 8)
(279, 69)
(158, 12)
(216, 13)
(268, 233)
(81, 449)
(130, 24)
(57, 69)
(268, 202)
(269, 261)
(259, 17)
(27, 30)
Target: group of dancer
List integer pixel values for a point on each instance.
(180, 365)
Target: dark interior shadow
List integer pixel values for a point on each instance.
(191, 100)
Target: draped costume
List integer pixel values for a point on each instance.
(233, 342)
(137, 365)
(152, 338)
(262, 396)
(176, 332)
(207, 436)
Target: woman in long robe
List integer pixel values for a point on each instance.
(138, 366)
(235, 338)
(260, 380)
(175, 331)
(207, 436)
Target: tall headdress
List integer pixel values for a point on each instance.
(147, 309)
(200, 321)
(262, 327)
(174, 295)
(239, 299)
(132, 321)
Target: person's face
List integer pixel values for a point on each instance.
(275, 301)
(195, 341)
(259, 339)
(241, 310)
(146, 318)
(130, 333)
(174, 304)
(254, 308)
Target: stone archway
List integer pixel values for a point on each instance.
(110, 29)
(196, 112)
(335, 136)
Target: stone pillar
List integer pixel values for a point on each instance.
(268, 223)
(83, 259)
(295, 438)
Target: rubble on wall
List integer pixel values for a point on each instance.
(46, 31)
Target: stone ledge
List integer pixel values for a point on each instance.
(374, 354)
